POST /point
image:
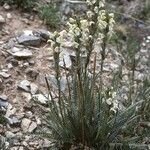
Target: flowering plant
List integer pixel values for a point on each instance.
(86, 114)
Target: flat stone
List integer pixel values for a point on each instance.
(29, 39)
(24, 85)
(3, 103)
(23, 54)
(10, 66)
(9, 135)
(32, 127)
(5, 75)
(14, 121)
(40, 98)
(4, 97)
(25, 124)
(10, 111)
(15, 49)
(34, 88)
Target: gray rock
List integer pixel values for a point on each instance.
(29, 39)
(23, 54)
(13, 121)
(2, 140)
(11, 43)
(3, 103)
(53, 81)
(15, 49)
(9, 135)
(24, 85)
(29, 114)
(44, 34)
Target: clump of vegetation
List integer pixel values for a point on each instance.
(50, 15)
(24, 4)
(88, 114)
(2, 118)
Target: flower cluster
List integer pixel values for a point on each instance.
(92, 2)
(80, 31)
(113, 102)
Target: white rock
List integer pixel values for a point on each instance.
(21, 148)
(29, 114)
(34, 88)
(148, 37)
(32, 127)
(2, 19)
(10, 111)
(10, 66)
(9, 135)
(6, 6)
(15, 49)
(4, 97)
(25, 124)
(5, 75)
(9, 16)
(38, 120)
(24, 85)
(40, 98)
(24, 53)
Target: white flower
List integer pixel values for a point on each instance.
(101, 3)
(77, 31)
(71, 20)
(102, 24)
(90, 2)
(90, 14)
(84, 24)
(96, 9)
(109, 101)
(57, 49)
(114, 94)
(111, 15)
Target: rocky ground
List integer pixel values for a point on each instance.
(25, 59)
